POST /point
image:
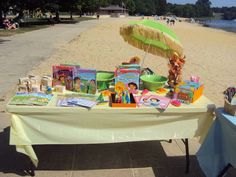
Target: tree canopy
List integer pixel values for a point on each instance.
(202, 8)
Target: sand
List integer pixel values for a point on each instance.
(210, 54)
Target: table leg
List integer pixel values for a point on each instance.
(31, 170)
(185, 141)
(222, 173)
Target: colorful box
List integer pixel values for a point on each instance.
(113, 103)
(188, 92)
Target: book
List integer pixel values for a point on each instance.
(82, 102)
(40, 99)
(84, 81)
(129, 75)
(63, 75)
(74, 100)
(153, 101)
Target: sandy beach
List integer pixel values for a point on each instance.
(210, 54)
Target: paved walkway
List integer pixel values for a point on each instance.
(19, 53)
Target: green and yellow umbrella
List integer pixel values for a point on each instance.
(152, 37)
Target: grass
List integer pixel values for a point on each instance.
(36, 24)
(4, 33)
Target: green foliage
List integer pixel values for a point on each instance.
(203, 8)
(229, 13)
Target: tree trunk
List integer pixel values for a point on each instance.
(1, 19)
(71, 15)
(57, 16)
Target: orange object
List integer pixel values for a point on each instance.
(161, 90)
(106, 93)
(198, 93)
(123, 105)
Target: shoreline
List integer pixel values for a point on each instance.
(213, 24)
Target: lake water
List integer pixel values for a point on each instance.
(228, 25)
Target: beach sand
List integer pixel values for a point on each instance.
(210, 54)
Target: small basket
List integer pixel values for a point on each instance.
(230, 109)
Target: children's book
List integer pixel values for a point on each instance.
(85, 81)
(73, 100)
(63, 75)
(129, 75)
(39, 99)
(153, 101)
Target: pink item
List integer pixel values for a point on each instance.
(145, 91)
(194, 79)
(175, 103)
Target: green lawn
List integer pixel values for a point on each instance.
(36, 24)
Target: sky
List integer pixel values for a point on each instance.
(215, 3)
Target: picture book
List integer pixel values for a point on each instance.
(85, 81)
(129, 76)
(73, 100)
(63, 75)
(153, 101)
(40, 99)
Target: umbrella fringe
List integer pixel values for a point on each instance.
(127, 30)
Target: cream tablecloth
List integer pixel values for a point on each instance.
(38, 125)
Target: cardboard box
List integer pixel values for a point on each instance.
(127, 105)
(230, 109)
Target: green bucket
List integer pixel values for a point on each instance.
(104, 78)
(153, 82)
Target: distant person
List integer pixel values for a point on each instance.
(98, 16)
(167, 21)
(8, 24)
(172, 22)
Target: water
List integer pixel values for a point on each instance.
(228, 25)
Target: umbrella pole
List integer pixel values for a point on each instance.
(145, 55)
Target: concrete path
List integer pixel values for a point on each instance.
(19, 53)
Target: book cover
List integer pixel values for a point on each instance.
(153, 101)
(129, 76)
(39, 99)
(85, 81)
(72, 100)
(63, 75)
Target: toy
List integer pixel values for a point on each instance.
(175, 103)
(188, 92)
(161, 90)
(122, 97)
(194, 79)
(176, 64)
(145, 91)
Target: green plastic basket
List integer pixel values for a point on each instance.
(153, 82)
(104, 78)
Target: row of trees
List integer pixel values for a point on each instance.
(148, 7)
(229, 13)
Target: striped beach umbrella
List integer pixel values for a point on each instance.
(152, 37)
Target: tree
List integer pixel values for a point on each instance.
(4, 7)
(203, 8)
(130, 5)
(161, 7)
(70, 6)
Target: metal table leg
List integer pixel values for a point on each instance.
(31, 170)
(185, 141)
(222, 173)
